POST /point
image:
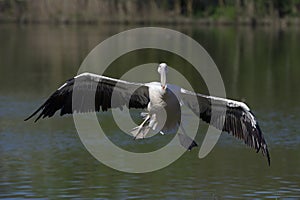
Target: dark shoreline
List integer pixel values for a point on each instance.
(272, 13)
(281, 23)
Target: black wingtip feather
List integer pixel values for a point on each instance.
(35, 112)
(266, 153)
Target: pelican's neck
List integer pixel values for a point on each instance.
(163, 78)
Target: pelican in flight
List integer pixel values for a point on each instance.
(163, 103)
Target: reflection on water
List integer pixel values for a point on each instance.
(47, 159)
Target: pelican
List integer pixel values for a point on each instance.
(163, 104)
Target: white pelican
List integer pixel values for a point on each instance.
(160, 99)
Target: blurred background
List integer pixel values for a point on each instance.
(255, 45)
(151, 11)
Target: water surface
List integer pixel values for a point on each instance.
(47, 159)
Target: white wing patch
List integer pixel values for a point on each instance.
(232, 103)
(97, 78)
(62, 86)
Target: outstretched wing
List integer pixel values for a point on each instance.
(106, 93)
(231, 116)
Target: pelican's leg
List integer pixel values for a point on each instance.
(144, 115)
(140, 131)
(185, 140)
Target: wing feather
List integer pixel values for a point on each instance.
(231, 116)
(93, 88)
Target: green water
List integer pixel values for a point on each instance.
(47, 159)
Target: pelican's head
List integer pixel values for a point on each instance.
(163, 69)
